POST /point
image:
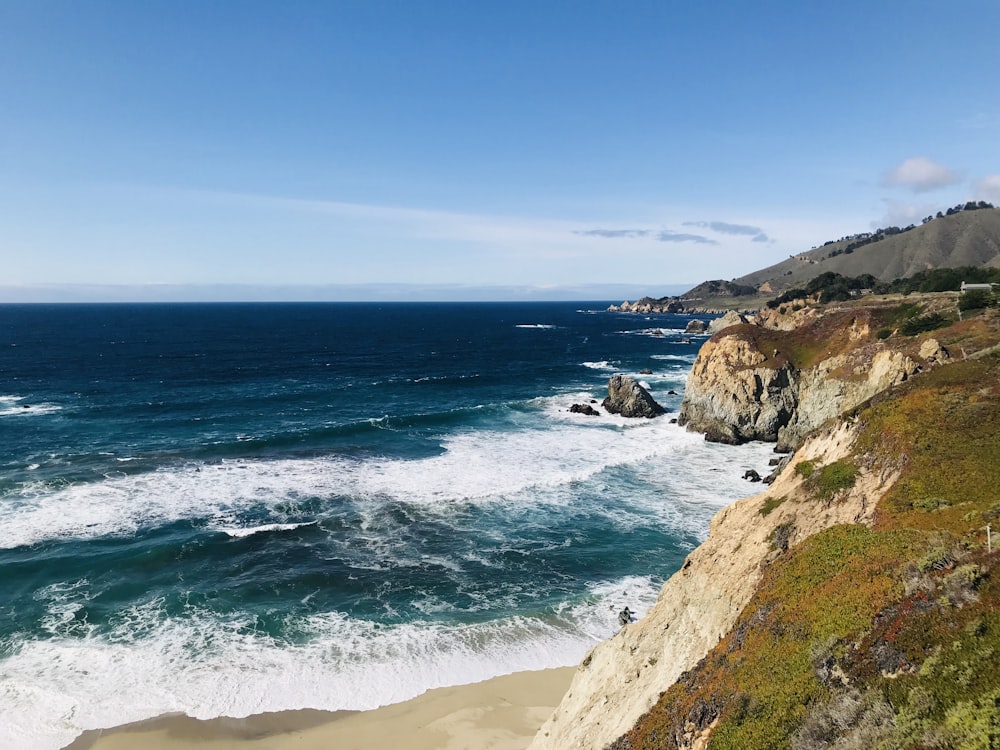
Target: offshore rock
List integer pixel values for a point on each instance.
(629, 399)
(696, 326)
(587, 409)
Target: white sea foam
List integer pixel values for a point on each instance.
(534, 325)
(12, 406)
(686, 358)
(551, 450)
(239, 533)
(206, 666)
(602, 365)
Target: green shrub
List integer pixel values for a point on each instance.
(770, 504)
(924, 323)
(805, 469)
(976, 299)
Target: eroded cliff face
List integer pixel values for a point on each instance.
(778, 377)
(621, 679)
(736, 393)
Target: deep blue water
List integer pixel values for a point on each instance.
(228, 509)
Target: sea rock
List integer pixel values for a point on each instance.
(646, 371)
(587, 409)
(648, 305)
(731, 318)
(751, 475)
(629, 399)
(696, 326)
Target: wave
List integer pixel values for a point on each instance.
(602, 365)
(541, 326)
(685, 358)
(208, 665)
(241, 532)
(11, 405)
(526, 459)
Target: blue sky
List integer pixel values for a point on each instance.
(446, 149)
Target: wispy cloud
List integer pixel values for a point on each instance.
(613, 233)
(663, 235)
(921, 175)
(901, 213)
(723, 227)
(668, 235)
(988, 189)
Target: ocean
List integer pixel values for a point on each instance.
(228, 509)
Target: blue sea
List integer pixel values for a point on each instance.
(228, 509)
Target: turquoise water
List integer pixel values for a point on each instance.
(228, 509)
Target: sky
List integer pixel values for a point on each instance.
(354, 149)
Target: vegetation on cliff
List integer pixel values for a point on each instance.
(871, 637)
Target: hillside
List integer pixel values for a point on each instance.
(965, 238)
(856, 602)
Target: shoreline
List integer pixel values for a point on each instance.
(502, 713)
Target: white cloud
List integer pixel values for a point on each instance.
(903, 213)
(988, 189)
(920, 174)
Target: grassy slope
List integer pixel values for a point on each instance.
(968, 238)
(886, 637)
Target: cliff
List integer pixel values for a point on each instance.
(782, 374)
(843, 603)
(621, 679)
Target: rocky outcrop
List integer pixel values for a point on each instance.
(744, 387)
(933, 353)
(731, 318)
(734, 394)
(648, 305)
(827, 390)
(621, 679)
(696, 326)
(587, 409)
(629, 399)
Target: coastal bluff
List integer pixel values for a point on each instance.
(778, 375)
(621, 679)
(863, 571)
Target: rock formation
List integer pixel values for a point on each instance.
(776, 381)
(731, 318)
(587, 409)
(735, 393)
(648, 305)
(696, 326)
(629, 399)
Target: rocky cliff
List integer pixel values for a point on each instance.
(820, 609)
(621, 679)
(778, 376)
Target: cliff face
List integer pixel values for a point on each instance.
(622, 678)
(735, 393)
(778, 377)
(862, 571)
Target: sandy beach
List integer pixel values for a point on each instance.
(499, 714)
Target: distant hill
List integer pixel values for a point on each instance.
(962, 238)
